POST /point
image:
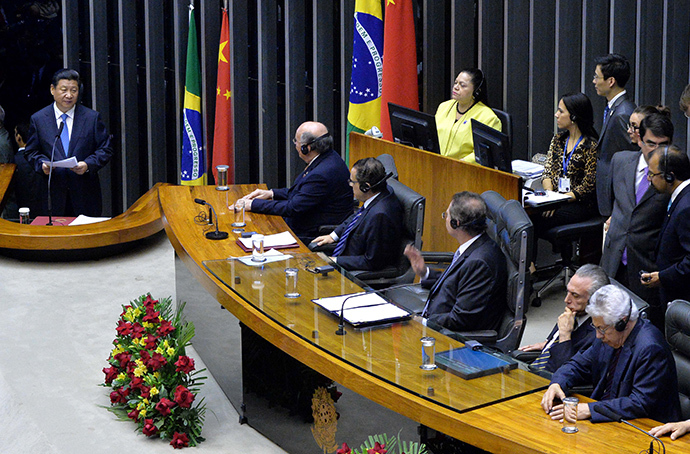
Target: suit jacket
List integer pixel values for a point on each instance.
(320, 195)
(376, 239)
(635, 226)
(89, 142)
(561, 352)
(645, 384)
(673, 256)
(471, 294)
(613, 138)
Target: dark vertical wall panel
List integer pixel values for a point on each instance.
(596, 38)
(542, 87)
(491, 49)
(650, 52)
(155, 91)
(463, 29)
(436, 73)
(325, 59)
(268, 93)
(677, 65)
(239, 32)
(70, 33)
(568, 52)
(517, 73)
(623, 40)
(295, 84)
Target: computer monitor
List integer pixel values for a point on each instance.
(491, 147)
(413, 128)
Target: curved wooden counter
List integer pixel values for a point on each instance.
(141, 220)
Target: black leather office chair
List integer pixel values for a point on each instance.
(506, 126)
(389, 164)
(511, 228)
(577, 243)
(678, 336)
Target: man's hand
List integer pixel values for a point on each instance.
(247, 204)
(46, 168)
(416, 260)
(552, 393)
(566, 324)
(323, 239)
(259, 194)
(650, 279)
(533, 348)
(677, 429)
(81, 168)
(607, 224)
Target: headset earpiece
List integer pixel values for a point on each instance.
(366, 187)
(478, 89)
(573, 118)
(454, 224)
(305, 146)
(669, 177)
(622, 323)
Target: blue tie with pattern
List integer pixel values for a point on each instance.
(607, 110)
(340, 247)
(64, 136)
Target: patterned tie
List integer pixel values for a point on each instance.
(545, 355)
(610, 373)
(340, 247)
(644, 185)
(438, 283)
(64, 136)
(607, 110)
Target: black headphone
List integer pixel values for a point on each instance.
(622, 323)
(669, 177)
(479, 222)
(366, 187)
(305, 146)
(573, 118)
(478, 89)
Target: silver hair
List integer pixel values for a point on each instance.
(612, 304)
(595, 274)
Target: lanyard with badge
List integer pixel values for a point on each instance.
(564, 182)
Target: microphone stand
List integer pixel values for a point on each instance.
(50, 174)
(217, 235)
(616, 417)
(341, 320)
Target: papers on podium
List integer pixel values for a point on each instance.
(526, 169)
(282, 240)
(365, 309)
(550, 198)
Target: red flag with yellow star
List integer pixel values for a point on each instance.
(223, 152)
(399, 84)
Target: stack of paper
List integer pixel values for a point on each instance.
(278, 241)
(526, 169)
(362, 308)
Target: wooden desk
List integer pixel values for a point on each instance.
(437, 178)
(6, 175)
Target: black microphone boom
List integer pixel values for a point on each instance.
(341, 320)
(50, 172)
(217, 235)
(602, 409)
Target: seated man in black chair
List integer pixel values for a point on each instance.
(371, 238)
(471, 293)
(629, 364)
(573, 331)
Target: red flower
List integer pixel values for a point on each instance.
(180, 440)
(123, 359)
(149, 302)
(136, 383)
(119, 396)
(151, 316)
(156, 361)
(134, 414)
(145, 392)
(137, 331)
(110, 374)
(164, 406)
(151, 340)
(185, 364)
(165, 328)
(149, 428)
(124, 328)
(344, 450)
(183, 397)
(124, 310)
(377, 449)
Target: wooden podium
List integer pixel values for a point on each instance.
(437, 178)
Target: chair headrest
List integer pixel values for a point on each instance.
(678, 326)
(413, 208)
(389, 164)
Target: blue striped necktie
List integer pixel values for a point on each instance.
(607, 110)
(64, 135)
(340, 247)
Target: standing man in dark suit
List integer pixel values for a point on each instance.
(471, 293)
(669, 172)
(28, 184)
(573, 331)
(629, 364)
(77, 190)
(638, 212)
(320, 194)
(610, 76)
(370, 239)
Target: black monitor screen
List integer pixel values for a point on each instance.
(413, 128)
(491, 147)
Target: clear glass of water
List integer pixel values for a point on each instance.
(258, 248)
(570, 415)
(428, 353)
(291, 275)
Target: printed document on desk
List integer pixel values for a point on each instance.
(364, 309)
(278, 241)
(532, 200)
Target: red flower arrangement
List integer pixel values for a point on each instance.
(383, 444)
(154, 383)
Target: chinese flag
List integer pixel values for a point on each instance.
(399, 61)
(223, 153)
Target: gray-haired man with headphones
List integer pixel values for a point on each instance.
(669, 173)
(629, 364)
(471, 293)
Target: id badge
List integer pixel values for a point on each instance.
(564, 185)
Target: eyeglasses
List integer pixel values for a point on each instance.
(295, 141)
(653, 145)
(598, 77)
(351, 182)
(633, 127)
(444, 214)
(602, 331)
(651, 175)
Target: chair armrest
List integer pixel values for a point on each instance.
(438, 257)
(326, 229)
(386, 273)
(486, 337)
(525, 357)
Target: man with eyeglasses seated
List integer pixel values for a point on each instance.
(637, 214)
(471, 293)
(630, 365)
(669, 173)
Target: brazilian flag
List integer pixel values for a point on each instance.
(367, 69)
(193, 168)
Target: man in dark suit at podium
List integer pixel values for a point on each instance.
(371, 238)
(669, 172)
(76, 190)
(320, 194)
(471, 293)
(610, 76)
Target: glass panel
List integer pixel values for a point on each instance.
(392, 353)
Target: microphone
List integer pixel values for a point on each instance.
(616, 417)
(217, 235)
(341, 321)
(50, 172)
